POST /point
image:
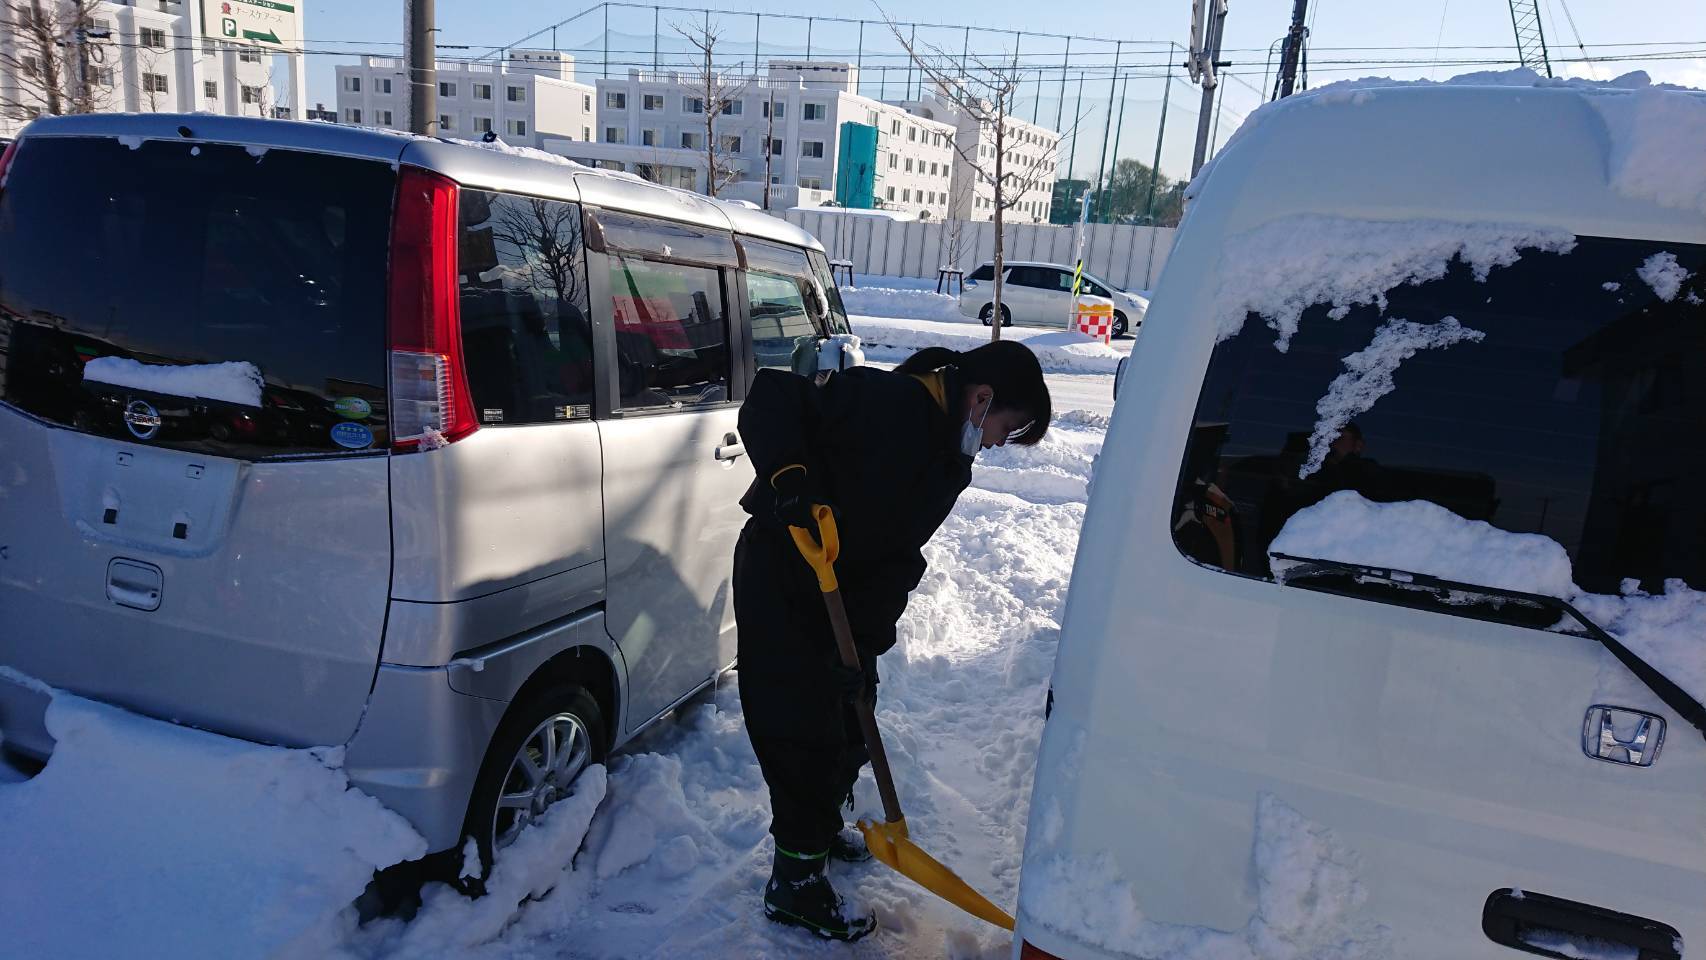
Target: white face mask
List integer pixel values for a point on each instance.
(971, 438)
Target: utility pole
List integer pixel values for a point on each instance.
(769, 144)
(422, 56)
(1205, 68)
(1292, 53)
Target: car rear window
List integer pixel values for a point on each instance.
(199, 296)
(1578, 413)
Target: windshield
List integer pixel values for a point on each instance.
(1563, 395)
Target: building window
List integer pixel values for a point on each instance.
(210, 89)
(936, 140)
(352, 115)
(615, 101)
(209, 48)
(154, 83)
(813, 111)
(691, 141)
(150, 37)
(811, 183)
(912, 134)
(906, 196)
(891, 193)
(932, 168)
(247, 55)
(586, 104)
(516, 94)
(482, 91)
(482, 124)
(352, 84)
(779, 109)
(730, 144)
(648, 138)
(250, 94)
(812, 149)
(384, 117)
(446, 123)
(586, 134)
(894, 161)
(692, 105)
(651, 101)
(615, 135)
(894, 128)
(908, 164)
(734, 108)
(776, 147)
(383, 85)
(517, 127)
(446, 88)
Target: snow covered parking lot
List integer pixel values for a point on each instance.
(201, 845)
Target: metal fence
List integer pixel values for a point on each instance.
(1125, 256)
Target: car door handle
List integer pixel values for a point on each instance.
(1544, 925)
(731, 449)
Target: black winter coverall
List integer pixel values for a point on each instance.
(883, 448)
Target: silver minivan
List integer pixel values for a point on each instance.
(318, 435)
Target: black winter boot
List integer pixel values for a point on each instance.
(849, 847)
(799, 895)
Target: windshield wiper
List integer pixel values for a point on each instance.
(1290, 570)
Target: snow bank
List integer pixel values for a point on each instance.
(1306, 894)
(1059, 351)
(145, 839)
(1657, 139)
(901, 297)
(1368, 377)
(1664, 275)
(1282, 268)
(1421, 537)
(1666, 630)
(234, 382)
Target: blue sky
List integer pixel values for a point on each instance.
(1251, 26)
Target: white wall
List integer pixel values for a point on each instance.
(1130, 257)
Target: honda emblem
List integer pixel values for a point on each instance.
(1622, 735)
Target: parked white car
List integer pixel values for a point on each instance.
(1384, 635)
(1040, 294)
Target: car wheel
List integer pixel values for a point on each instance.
(538, 752)
(1120, 325)
(987, 313)
(1006, 316)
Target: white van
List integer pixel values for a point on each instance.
(1385, 636)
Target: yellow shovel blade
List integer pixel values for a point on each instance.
(889, 843)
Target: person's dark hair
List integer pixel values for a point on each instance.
(1010, 369)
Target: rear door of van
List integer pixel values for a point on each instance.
(194, 511)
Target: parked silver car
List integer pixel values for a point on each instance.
(1040, 294)
(320, 435)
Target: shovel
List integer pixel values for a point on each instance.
(887, 841)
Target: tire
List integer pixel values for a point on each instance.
(576, 721)
(988, 313)
(1121, 327)
(1006, 316)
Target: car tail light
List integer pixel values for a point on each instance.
(1028, 952)
(429, 386)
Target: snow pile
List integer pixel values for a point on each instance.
(1368, 377)
(902, 297)
(1059, 351)
(234, 382)
(1665, 630)
(1306, 894)
(1664, 275)
(141, 838)
(1421, 537)
(1657, 139)
(1282, 268)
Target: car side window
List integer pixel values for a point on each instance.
(985, 273)
(672, 334)
(778, 318)
(1063, 280)
(1027, 277)
(526, 338)
(1093, 288)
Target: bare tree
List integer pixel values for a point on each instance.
(715, 93)
(55, 60)
(986, 93)
(552, 232)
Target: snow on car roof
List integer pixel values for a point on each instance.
(1616, 158)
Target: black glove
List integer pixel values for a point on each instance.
(795, 496)
(857, 685)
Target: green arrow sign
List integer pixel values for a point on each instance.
(268, 37)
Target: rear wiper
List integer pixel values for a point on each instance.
(1289, 570)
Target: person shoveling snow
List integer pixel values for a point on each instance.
(889, 453)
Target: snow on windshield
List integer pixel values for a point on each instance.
(1664, 275)
(1368, 377)
(1282, 268)
(1417, 536)
(235, 381)
(1658, 136)
(1307, 887)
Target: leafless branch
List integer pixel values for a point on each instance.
(715, 92)
(56, 63)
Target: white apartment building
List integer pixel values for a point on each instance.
(654, 124)
(528, 96)
(1031, 150)
(157, 56)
